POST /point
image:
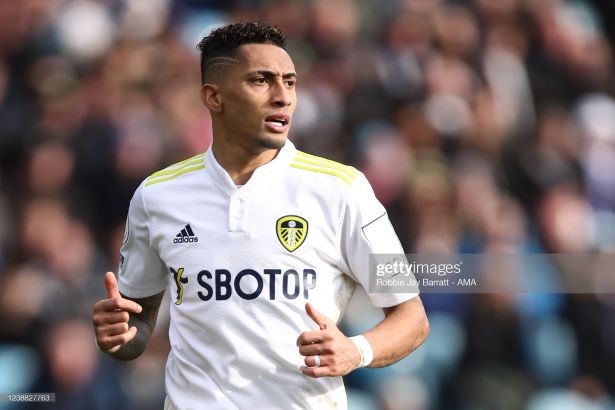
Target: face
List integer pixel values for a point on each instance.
(258, 97)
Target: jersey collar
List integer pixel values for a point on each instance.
(263, 175)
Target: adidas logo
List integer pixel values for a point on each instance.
(186, 235)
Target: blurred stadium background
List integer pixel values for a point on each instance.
(483, 125)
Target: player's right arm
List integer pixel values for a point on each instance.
(123, 325)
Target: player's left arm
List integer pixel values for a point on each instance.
(365, 230)
(403, 329)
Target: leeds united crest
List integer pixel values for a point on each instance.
(292, 231)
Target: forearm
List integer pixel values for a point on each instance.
(137, 345)
(145, 323)
(403, 329)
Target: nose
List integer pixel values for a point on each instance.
(281, 96)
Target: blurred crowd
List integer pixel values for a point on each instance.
(483, 126)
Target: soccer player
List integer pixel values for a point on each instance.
(261, 246)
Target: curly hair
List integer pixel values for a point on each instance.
(224, 41)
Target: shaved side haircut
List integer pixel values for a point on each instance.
(219, 49)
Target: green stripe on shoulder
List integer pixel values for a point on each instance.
(191, 164)
(321, 165)
(315, 160)
(175, 167)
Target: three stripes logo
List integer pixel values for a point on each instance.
(313, 163)
(186, 235)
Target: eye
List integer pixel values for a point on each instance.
(290, 83)
(259, 80)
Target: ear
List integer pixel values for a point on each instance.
(210, 95)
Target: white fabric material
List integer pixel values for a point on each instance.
(241, 303)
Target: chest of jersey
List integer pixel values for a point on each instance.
(271, 245)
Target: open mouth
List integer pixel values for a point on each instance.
(278, 120)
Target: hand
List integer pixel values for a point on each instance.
(111, 317)
(338, 355)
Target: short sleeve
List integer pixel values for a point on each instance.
(366, 229)
(141, 272)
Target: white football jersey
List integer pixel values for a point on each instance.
(241, 262)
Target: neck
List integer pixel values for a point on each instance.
(239, 162)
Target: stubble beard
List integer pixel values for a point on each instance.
(272, 143)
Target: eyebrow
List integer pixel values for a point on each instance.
(269, 73)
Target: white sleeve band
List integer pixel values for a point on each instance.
(365, 350)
